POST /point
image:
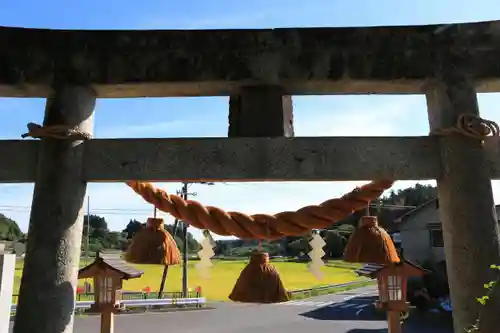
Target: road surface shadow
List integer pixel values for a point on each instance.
(417, 323)
(368, 330)
(357, 309)
(414, 324)
(362, 309)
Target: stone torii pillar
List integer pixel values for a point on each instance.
(260, 111)
(47, 293)
(467, 209)
(7, 268)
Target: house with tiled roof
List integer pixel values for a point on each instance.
(421, 235)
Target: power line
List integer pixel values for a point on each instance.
(138, 211)
(99, 209)
(92, 212)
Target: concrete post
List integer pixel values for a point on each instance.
(260, 111)
(47, 294)
(467, 210)
(7, 268)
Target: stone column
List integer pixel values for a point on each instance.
(466, 206)
(47, 294)
(7, 268)
(260, 111)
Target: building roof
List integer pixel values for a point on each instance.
(371, 270)
(386, 215)
(114, 262)
(414, 211)
(407, 215)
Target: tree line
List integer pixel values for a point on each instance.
(101, 238)
(392, 207)
(99, 235)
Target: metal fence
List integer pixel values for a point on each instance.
(142, 303)
(132, 295)
(132, 299)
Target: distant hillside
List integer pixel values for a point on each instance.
(9, 230)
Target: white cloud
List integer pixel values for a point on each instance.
(209, 23)
(314, 116)
(259, 16)
(384, 116)
(174, 128)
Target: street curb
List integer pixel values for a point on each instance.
(137, 312)
(152, 310)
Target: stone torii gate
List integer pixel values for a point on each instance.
(259, 69)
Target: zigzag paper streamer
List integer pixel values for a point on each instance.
(206, 252)
(316, 254)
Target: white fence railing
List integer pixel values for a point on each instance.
(80, 305)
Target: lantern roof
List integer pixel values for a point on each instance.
(113, 262)
(414, 269)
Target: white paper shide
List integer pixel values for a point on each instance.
(206, 252)
(316, 255)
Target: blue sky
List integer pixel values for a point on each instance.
(207, 117)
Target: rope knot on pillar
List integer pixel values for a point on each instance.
(471, 126)
(60, 132)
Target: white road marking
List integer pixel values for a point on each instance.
(357, 295)
(331, 304)
(318, 304)
(359, 311)
(334, 305)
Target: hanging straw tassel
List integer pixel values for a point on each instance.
(370, 243)
(206, 252)
(153, 245)
(316, 255)
(259, 282)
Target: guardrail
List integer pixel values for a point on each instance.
(147, 303)
(311, 291)
(162, 301)
(127, 295)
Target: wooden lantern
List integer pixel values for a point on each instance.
(392, 284)
(108, 273)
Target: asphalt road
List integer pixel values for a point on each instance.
(348, 312)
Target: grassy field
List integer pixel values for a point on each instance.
(224, 275)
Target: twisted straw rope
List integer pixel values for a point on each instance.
(260, 226)
(55, 132)
(471, 126)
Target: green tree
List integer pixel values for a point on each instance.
(9, 229)
(100, 237)
(335, 243)
(98, 226)
(192, 243)
(298, 247)
(132, 228)
(221, 248)
(411, 196)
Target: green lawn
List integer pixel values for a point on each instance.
(224, 275)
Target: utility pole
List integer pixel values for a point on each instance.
(87, 233)
(165, 269)
(184, 193)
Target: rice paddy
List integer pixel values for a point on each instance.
(224, 274)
